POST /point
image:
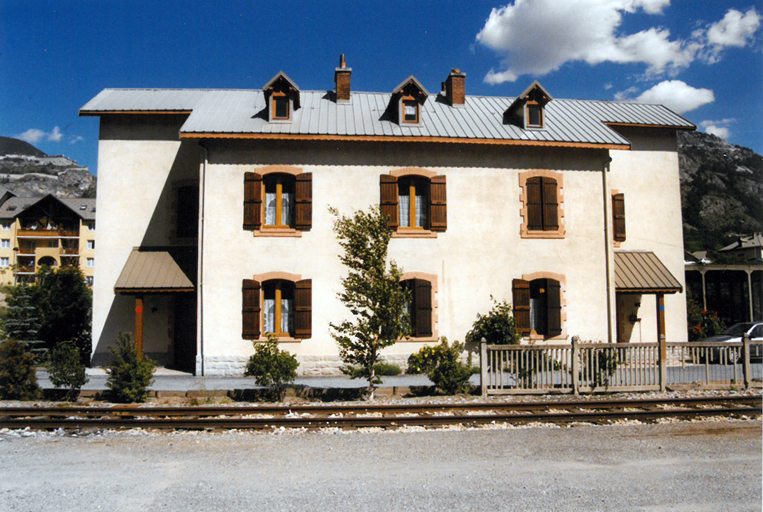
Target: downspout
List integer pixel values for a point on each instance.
(200, 271)
(609, 256)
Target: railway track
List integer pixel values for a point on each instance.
(370, 415)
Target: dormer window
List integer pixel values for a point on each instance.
(527, 111)
(407, 100)
(534, 115)
(281, 98)
(410, 110)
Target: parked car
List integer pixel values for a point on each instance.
(734, 335)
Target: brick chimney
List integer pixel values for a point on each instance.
(342, 81)
(455, 87)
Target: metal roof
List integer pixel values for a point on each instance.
(643, 272)
(147, 271)
(243, 112)
(745, 242)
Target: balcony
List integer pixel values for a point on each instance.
(27, 251)
(48, 233)
(70, 251)
(25, 269)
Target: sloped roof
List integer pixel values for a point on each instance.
(643, 272)
(147, 271)
(242, 113)
(17, 205)
(84, 207)
(746, 242)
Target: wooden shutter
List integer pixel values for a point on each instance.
(550, 205)
(618, 214)
(304, 201)
(554, 307)
(252, 201)
(422, 300)
(521, 296)
(388, 188)
(533, 187)
(438, 204)
(303, 308)
(251, 309)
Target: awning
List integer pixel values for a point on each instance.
(152, 271)
(643, 272)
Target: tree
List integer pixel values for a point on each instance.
(21, 321)
(17, 372)
(371, 291)
(65, 305)
(272, 367)
(130, 375)
(66, 369)
(498, 327)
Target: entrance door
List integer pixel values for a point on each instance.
(185, 332)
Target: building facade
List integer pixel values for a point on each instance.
(51, 231)
(218, 229)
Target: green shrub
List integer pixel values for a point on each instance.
(385, 369)
(702, 323)
(130, 375)
(442, 365)
(498, 327)
(272, 367)
(66, 369)
(17, 372)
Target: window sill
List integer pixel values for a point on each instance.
(541, 337)
(413, 233)
(278, 232)
(281, 339)
(413, 339)
(557, 234)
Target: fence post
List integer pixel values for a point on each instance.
(483, 367)
(575, 366)
(746, 359)
(663, 355)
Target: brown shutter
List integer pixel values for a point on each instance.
(422, 300)
(251, 309)
(438, 204)
(534, 204)
(303, 308)
(304, 201)
(618, 213)
(252, 201)
(554, 306)
(388, 187)
(521, 295)
(550, 205)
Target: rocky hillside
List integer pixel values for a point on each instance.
(27, 171)
(721, 190)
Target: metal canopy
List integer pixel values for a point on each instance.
(152, 271)
(643, 272)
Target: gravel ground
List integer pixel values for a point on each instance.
(684, 466)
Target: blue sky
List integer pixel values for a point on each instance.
(702, 58)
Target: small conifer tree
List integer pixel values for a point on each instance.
(130, 375)
(371, 291)
(17, 372)
(21, 321)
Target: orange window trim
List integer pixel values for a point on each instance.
(274, 99)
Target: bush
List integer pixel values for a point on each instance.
(422, 361)
(272, 367)
(384, 369)
(66, 369)
(130, 375)
(702, 323)
(17, 372)
(442, 365)
(498, 327)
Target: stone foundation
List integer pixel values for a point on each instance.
(309, 366)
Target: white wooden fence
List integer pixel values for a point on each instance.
(598, 367)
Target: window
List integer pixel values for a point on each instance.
(281, 307)
(419, 309)
(5, 262)
(538, 307)
(279, 200)
(534, 115)
(618, 217)
(414, 203)
(281, 108)
(542, 211)
(5, 243)
(91, 244)
(187, 211)
(6, 226)
(91, 225)
(91, 262)
(410, 110)
(89, 280)
(287, 201)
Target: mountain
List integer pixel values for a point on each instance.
(26, 171)
(721, 190)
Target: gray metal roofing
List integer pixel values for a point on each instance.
(244, 112)
(146, 270)
(16, 205)
(643, 271)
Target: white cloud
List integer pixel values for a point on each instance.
(718, 131)
(608, 86)
(537, 37)
(718, 122)
(76, 139)
(677, 96)
(626, 94)
(33, 135)
(735, 29)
